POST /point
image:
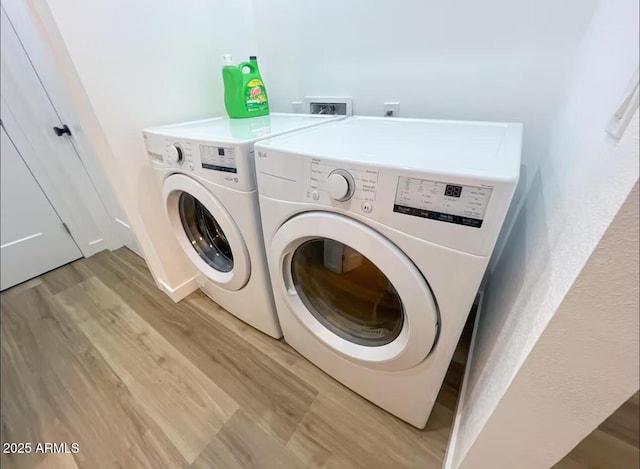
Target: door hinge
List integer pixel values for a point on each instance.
(66, 228)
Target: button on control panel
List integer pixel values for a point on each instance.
(367, 207)
(341, 182)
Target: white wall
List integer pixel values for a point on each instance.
(583, 367)
(461, 59)
(130, 65)
(574, 195)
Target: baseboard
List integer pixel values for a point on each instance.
(453, 436)
(133, 246)
(182, 290)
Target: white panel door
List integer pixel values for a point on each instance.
(33, 239)
(29, 118)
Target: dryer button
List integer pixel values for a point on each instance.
(367, 207)
(315, 195)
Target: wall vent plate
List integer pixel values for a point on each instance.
(337, 105)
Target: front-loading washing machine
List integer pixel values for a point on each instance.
(378, 232)
(207, 175)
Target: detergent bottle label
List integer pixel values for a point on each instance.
(255, 95)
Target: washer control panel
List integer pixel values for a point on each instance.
(221, 162)
(179, 154)
(442, 201)
(218, 158)
(191, 155)
(327, 182)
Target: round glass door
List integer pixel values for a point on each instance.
(205, 233)
(370, 305)
(346, 292)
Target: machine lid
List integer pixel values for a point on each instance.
(355, 291)
(457, 146)
(206, 232)
(225, 129)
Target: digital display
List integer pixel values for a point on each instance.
(441, 201)
(452, 191)
(218, 159)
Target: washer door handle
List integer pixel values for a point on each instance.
(287, 277)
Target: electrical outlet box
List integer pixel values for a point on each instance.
(329, 105)
(391, 109)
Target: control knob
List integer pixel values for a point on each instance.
(340, 185)
(175, 154)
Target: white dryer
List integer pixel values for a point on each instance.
(378, 232)
(207, 174)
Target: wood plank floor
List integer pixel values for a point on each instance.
(94, 354)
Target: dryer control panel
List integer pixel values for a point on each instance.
(441, 201)
(328, 182)
(462, 212)
(435, 185)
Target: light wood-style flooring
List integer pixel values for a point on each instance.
(94, 354)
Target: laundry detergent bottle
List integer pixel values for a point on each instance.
(244, 91)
